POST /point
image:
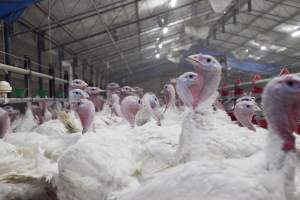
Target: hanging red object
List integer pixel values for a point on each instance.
(224, 92)
(238, 91)
(262, 123)
(255, 89)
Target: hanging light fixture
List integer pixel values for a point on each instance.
(160, 45)
(296, 34)
(173, 3)
(165, 30)
(263, 48)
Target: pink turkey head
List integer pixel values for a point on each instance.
(13, 114)
(210, 70)
(151, 103)
(244, 111)
(93, 91)
(188, 87)
(77, 94)
(203, 63)
(169, 95)
(126, 91)
(86, 111)
(129, 107)
(78, 84)
(281, 105)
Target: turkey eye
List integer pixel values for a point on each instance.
(191, 76)
(208, 60)
(248, 106)
(290, 83)
(139, 101)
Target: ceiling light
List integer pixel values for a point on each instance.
(251, 56)
(173, 3)
(160, 45)
(263, 48)
(157, 39)
(281, 49)
(247, 50)
(157, 55)
(254, 43)
(165, 30)
(296, 34)
(257, 58)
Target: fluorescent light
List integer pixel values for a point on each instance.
(165, 30)
(263, 48)
(296, 34)
(278, 48)
(160, 45)
(157, 55)
(254, 43)
(173, 3)
(281, 49)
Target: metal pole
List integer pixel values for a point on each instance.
(19, 70)
(60, 60)
(84, 64)
(92, 75)
(51, 81)
(7, 43)
(26, 76)
(40, 47)
(74, 66)
(66, 85)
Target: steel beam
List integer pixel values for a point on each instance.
(119, 50)
(77, 17)
(53, 18)
(253, 20)
(226, 17)
(28, 25)
(125, 24)
(270, 29)
(136, 47)
(134, 35)
(137, 16)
